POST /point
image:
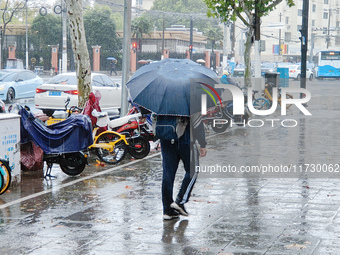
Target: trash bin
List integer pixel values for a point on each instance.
(284, 76)
(272, 78)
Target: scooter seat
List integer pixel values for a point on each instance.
(122, 120)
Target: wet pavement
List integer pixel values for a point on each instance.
(118, 210)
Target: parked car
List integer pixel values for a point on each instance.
(2, 107)
(16, 84)
(239, 70)
(267, 68)
(51, 96)
(295, 72)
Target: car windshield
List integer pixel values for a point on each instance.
(268, 65)
(283, 64)
(6, 76)
(63, 79)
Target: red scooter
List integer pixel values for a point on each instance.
(131, 127)
(138, 146)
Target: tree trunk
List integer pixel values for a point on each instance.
(247, 71)
(80, 51)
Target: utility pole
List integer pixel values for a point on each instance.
(304, 42)
(312, 39)
(64, 54)
(329, 25)
(225, 52)
(232, 40)
(191, 37)
(126, 55)
(163, 37)
(280, 36)
(27, 67)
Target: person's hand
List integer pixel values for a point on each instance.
(203, 152)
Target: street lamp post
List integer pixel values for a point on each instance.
(26, 40)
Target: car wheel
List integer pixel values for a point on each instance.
(311, 77)
(298, 77)
(10, 96)
(48, 112)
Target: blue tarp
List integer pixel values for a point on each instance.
(71, 135)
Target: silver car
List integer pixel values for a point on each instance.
(51, 96)
(18, 83)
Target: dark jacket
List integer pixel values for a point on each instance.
(198, 131)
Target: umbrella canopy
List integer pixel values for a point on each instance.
(200, 60)
(111, 58)
(171, 86)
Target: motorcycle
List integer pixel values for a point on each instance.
(136, 135)
(145, 123)
(63, 143)
(127, 127)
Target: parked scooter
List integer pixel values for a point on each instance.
(129, 125)
(63, 143)
(145, 123)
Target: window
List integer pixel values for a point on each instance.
(22, 76)
(330, 55)
(338, 24)
(325, 1)
(30, 75)
(299, 27)
(324, 30)
(313, 23)
(325, 15)
(288, 36)
(97, 81)
(314, 8)
(287, 20)
(107, 81)
(299, 12)
(337, 40)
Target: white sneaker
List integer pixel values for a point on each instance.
(170, 216)
(180, 208)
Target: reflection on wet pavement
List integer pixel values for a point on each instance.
(118, 210)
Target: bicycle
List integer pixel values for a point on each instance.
(5, 176)
(260, 103)
(268, 95)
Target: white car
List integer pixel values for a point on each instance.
(51, 95)
(295, 72)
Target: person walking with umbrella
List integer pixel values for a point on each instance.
(113, 67)
(166, 88)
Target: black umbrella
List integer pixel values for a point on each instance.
(171, 86)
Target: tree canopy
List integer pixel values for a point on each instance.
(247, 11)
(100, 28)
(46, 30)
(180, 12)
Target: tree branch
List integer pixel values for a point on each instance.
(273, 4)
(243, 19)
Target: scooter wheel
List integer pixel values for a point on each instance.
(114, 156)
(139, 147)
(73, 163)
(244, 120)
(220, 128)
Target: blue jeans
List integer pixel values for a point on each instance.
(172, 154)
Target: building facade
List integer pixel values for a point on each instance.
(281, 27)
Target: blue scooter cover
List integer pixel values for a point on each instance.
(71, 135)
